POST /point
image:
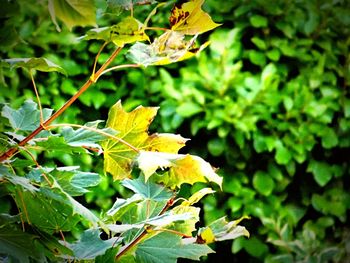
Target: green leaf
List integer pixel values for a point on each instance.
(19, 245)
(263, 183)
(329, 138)
(167, 248)
(321, 171)
(26, 118)
(44, 212)
(40, 64)
(73, 13)
(187, 109)
(86, 136)
(133, 129)
(283, 155)
(182, 168)
(258, 21)
(121, 206)
(216, 146)
(75, 182)
(90, 245)
(148, 190)
(57, 144)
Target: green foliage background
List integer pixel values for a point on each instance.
(268, 103)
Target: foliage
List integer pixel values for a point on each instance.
(269, 98)
(45, 217)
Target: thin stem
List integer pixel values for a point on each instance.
(119, 67)
(86, 85)
(97, 131)
(24, 206)
(97, 56)
(133, 243)
(37, 97)
(172, 231)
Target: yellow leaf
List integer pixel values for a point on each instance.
(127, 31)
(197, 196)
(207, 236)
(132, 128)
(189, 18)
(182, 168)
(189, 225)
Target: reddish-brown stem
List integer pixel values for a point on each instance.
(127, 247)
(86, 85)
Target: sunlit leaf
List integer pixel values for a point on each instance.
(182, 168)
(121, 206)
(90, 245)
(197, 196)
(168, 48)
(73, 12)
(26, 118)
(133, 128)
(189, 225)
(221, 229)
(129, 30)
(167, 248)
(40, 64)
(189, 18)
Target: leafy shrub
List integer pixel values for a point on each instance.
(44, 216)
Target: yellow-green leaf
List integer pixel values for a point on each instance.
(182, 168)
(189, 18)
(132, 128)
(168, 48)
(73, 12)
(197, 196)
(188, 226)
(127, 31)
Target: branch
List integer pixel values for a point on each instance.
(83, 88)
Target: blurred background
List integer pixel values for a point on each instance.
(268, 103)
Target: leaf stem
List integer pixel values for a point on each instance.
(83, 88)
(119, 67)
(37, 97)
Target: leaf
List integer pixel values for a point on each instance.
(86, 137)
(90, 245)
(182, 168)
(16, 180)
(321, 171)
(121, 206)
(168, 48)
(19, 245)
(40, 64)
(73, 181)
(57, 144)
(197, 196)
(263, 183)
(220, 230)
(44, 212)
(189, 19)
(148, 190)
(167, 248)
(73, 13)
(26, 118)
(133, 128)
(189, 225)
(129, 30)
